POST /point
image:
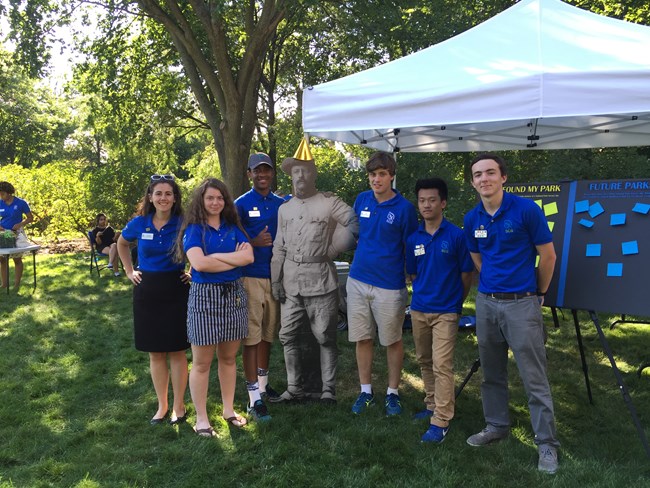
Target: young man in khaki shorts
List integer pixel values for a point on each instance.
(258, 211)
(376, 286)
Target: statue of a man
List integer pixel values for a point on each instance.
(313, 227)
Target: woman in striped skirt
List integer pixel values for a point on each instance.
(217, 317)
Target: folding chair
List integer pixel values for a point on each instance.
(96, 262)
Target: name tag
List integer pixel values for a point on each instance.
(480, 233)
(419, 250)
(253, 213)
(147, 236)
(365, 214)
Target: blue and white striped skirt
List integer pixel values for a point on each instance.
(217, 312)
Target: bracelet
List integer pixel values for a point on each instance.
(541, 293)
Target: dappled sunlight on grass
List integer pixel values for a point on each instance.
(76, 399)
(126, 377)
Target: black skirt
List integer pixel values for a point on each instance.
(160, 312)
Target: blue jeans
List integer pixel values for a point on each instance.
(518, 325)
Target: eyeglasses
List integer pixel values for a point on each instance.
(162, 178)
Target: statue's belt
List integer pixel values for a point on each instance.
(301, 258)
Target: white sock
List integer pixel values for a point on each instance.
(366, 389)
(253, 392)
(394, 391)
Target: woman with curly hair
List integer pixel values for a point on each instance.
(160, 292)
(217, 317)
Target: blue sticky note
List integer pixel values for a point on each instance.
(617, 219)
(582, 206)
(586, 223)
(595, 210)
(630, 247)
(614, 269)
(642, 208)
(593, 250)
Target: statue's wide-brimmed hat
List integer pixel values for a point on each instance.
(302, 156)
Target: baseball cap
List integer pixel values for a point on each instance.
(259, 158)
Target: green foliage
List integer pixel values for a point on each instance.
(56, 195)
(34, 124)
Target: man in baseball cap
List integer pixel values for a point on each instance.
(258, 211)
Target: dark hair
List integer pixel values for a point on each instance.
(498, 159)
(196, 213)
(432, 184)
(7, 187)
(97, 218)
(148, 206)
(381, 160)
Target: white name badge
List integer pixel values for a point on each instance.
(253, 213)
(480, 233)
(419, 251)
(147, 236)
(365, 214)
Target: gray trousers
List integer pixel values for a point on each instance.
(516, 324)
(321, 315)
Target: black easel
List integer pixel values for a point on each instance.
(619, 380)
(623, 320)
(585, 369)
(474, 368)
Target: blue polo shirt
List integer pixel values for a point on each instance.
(438, 261)
(383, 230)
(255, 212)
(12, 214)
(155, 247)
(508, 250)
(211, 240)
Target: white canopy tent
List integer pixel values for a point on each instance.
(540, 75)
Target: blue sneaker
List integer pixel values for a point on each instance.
(363, 402)
(258, 412)
(393, 405)
(423, 414)
(435, 434)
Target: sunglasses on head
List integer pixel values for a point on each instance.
(162, 178)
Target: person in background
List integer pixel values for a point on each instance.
(440, 269)
(217, 320)
(258, 212)
(505, 233)
(105, 239)
(376, 286)
(12, 210)
(160, 293)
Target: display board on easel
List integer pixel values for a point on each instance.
(601, 232)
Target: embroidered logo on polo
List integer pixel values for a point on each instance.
(444, 247)
(507, 227)
(390, 218)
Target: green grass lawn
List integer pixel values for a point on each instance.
(76, 399)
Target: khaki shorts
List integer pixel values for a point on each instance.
(263, 311)
(372, 309)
